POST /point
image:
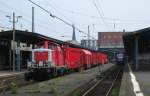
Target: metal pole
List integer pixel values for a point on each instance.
(33, 19)
(136, 53)
(124, 30)
(13, 47)
(33, 29)
(88, 36)
(14, 59)
(74, 33)
(10, 60)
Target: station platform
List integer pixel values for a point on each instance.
(9, 77)
(144, 81)
(135, 83)
(61, 86)
(10, 73)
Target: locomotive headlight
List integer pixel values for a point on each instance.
(40, 63)
(29, 64)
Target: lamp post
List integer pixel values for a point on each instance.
(14, 21)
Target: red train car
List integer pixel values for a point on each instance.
(49, 59)
(49, 54)
(73, 58)
(86, 58)
(102, 58)
(94, 59)
(105, 58)
(58, 57)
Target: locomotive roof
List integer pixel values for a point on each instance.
(86, 52)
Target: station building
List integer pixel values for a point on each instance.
(110, 40)
(111, 43)
(92, 44)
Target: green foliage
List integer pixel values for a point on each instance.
(115, 92)
(34, 91)
(53, 88)
(13, 88)
(76, 93)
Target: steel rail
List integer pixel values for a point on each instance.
(92, 88)
(99, 82)
(112, 85)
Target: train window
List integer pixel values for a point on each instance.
(50, 46)
(40, 45)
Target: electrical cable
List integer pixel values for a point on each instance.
(100, 15)
(53, 16)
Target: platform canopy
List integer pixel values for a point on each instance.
(143, 38)
(33, 38)
(25, 36)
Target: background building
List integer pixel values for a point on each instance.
(110, 40)
(89, 44)
(111, 43)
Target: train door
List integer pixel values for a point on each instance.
(25, 56)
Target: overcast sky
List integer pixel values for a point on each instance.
(125, 14)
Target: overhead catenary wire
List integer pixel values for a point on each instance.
(53, 16)
(43, 25)
(49, 4)
(5, 27)
(120, 21)
(25, 19)
(105, 18)
(99, 5)
(100, 15)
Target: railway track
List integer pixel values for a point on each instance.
(7, 82)
(104, 86)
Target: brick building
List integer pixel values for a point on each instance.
(111, 43)
(110, 40)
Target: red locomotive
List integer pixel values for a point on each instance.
(51, 59)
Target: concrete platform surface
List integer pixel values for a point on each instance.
(60, 86)
(10, 73)
(135, 83)
(126, 88)
(144, 81)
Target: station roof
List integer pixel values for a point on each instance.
(25, 36)
(32, 38)
(143, 36)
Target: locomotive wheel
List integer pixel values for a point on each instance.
(28, 76)
(85, 67)
(53, 73)
(80, 69)
(61, 72)
(40, 75)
